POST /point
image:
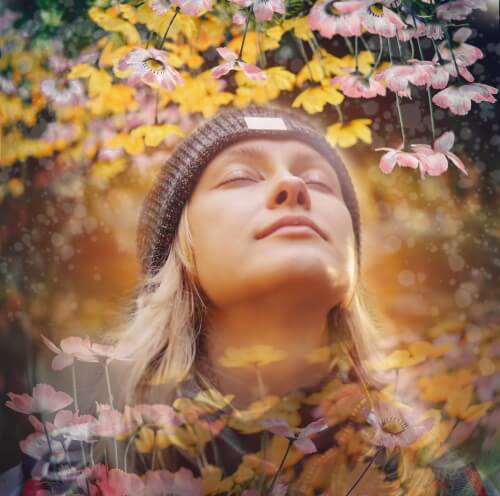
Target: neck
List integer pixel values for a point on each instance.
(291, 330)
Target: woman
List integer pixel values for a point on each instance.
(250, 248)
(250, 331)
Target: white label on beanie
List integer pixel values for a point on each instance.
(265, 123)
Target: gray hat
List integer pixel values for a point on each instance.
(162, 208)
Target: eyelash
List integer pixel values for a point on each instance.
(246, 178)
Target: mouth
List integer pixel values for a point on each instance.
(292, 223)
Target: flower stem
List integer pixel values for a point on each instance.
(290, 442)
(339, 112)
(450, 47)
(398, 105)
(177, 10)
(125, 453)
(300, 46)
(48, 440)
(157, 99)
(76, 409)
(356, 54)
(110, 397)
(368, 465)
(429, 93)
(379, 58)
(247, 22)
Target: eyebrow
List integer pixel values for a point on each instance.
(249, 151)
(253, 151)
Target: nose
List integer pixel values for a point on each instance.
(289, 190)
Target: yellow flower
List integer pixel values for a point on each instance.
(277, 80)
(459, 405)
(15, 187)
(158, 23)
(145, 440)
(209, 32)
(179, 55)
(319, 355)
(312, 71)
(313, 100)
(99, 81)
(111, 54)
(301, 27)
(251, 47)
(256, 356)
(108, 170)
(135, 141)
(347, 134)
(119, 99)
(11, 109)
(213, 483)
(437, 387)
(365, 61)
(200, 93)
(109, 21)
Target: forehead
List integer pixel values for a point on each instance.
(297, 153)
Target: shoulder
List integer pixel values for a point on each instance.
(463, 480)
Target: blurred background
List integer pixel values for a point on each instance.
(430, 247)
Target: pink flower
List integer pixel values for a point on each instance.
(410, 31)
(263, 9)
(279, 489)
(45, 399)
(434, 160)
(7, 86)
(151, 67)
(393, 427)
(193, 7)
(458, 98)
(419, 73)
(119, 483)
(374, 16)
(464, 53)
(459, 9)
(356, 85)
(112, 423)
(69, 349)
(160, 415)
(301, 436)
(234, 62)
(160, 7)
(180, 483)
(395, 157)
(7, 19)
(325, 18)
(63, 92)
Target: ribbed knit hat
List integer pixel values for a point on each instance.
(163, 206)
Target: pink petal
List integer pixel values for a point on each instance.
(445, 142)
(305, 445)
(62, 361)
(278, 426)
(227, 54)
(50, 345)
(456, 161)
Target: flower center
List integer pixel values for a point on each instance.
(377, 9)
(331, 9)
(394, 426)
(153, 64)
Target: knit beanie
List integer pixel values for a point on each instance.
(163, 205)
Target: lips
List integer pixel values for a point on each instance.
(291, 220)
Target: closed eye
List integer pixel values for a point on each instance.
(238, 178)
(320, 184)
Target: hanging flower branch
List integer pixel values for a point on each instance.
(156, 56)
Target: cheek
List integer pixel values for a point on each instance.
(219, 238)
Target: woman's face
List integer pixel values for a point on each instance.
(241, 193)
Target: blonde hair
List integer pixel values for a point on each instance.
(163, 332)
